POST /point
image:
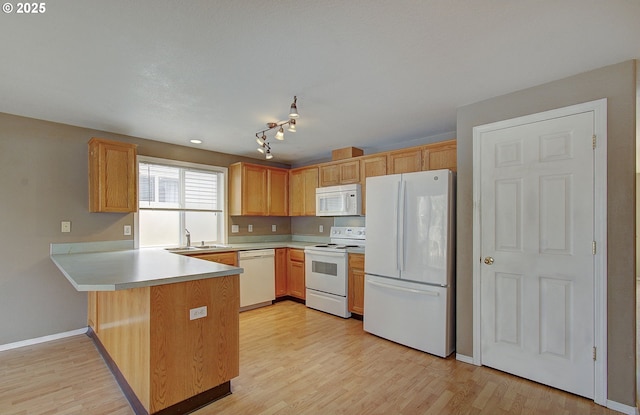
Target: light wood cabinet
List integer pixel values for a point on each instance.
(281, 269)
(356, 283)
(345, 172)
(227, 258)
(302, 194)
(371, 166)
(296, 282)
(440, 156)
(113, 183)
(278, 192)
(404, 161)
(256, 190)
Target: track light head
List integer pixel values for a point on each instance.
(293, 111)
(292, 125)
(280, 134)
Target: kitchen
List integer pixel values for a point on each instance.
(48, 165)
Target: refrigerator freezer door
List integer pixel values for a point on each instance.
(412, 314)
(427, 229)
(381, 251)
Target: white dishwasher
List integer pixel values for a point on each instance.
(258, 281)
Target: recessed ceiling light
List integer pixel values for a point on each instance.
(195, 141)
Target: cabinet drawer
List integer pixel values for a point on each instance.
(296, 255)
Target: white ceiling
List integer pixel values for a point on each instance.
(367, 73)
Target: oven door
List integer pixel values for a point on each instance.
(326, 271)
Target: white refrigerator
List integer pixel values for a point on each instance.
(409, 260)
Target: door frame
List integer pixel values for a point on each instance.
(599, 108)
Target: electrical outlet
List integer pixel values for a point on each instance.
(235, 228)
(199, 312)
(321, 228)
(127, 230)
(273, 228)
(250, 228)
(65, 226)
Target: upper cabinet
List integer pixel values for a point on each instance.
(256, 190)
(302, 184)
(440, 156)
(404, 161)
(370, 166)
(343, 172)
(113, 184)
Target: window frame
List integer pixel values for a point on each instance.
(223, 217)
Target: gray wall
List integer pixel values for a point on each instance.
(44, 180)
(617, 83)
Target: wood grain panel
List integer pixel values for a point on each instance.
(227, 258)
(296, 286)
(440, 156)
(356, 283)
(404, 161)
(112, 176)
(191, 356)
(281, 271)
(123, 329)
(278, 191)
(329, 175)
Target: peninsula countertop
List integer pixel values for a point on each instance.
(133, 268)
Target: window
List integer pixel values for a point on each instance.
(174, 197)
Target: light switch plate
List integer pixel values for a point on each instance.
(250, 228)
(199, 312)
(235, 228)
(273, 228)
(321, 228)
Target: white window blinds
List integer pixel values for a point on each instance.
(163, 187)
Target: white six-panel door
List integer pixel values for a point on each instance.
(537, 235)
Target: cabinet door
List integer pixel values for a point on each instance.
(369, 167)
(329, 175)
(297, 193)
(278, 191)
(281, 271)
(254, 190)
(296, 283)
(404, 161)
(349, 172)
(310, 186)
(113, 185)
(356, 283)
(440, 156)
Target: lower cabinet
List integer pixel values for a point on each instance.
(356, 283)
(296, 283)
(281, 272)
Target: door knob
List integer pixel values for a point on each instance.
(488, 260)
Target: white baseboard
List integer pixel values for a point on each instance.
(625, 409)
(464, 359)
(42, 339)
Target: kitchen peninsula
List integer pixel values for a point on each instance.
(166, 324)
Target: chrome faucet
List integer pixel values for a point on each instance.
(187, 234)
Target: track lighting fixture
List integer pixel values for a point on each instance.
(261, 137)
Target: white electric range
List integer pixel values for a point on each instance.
(326, 270)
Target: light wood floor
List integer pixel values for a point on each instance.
(293, 360)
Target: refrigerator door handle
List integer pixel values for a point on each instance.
(401, 222)
(410, 290)
(397, 230)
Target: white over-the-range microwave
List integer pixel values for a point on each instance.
(345, 200)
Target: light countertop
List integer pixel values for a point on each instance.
(133, 268)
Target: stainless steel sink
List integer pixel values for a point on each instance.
(210, 246)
